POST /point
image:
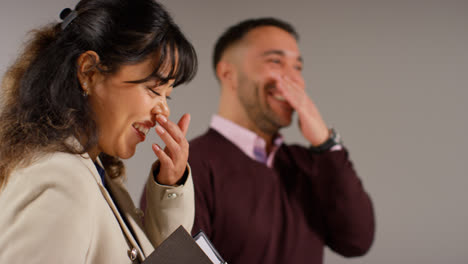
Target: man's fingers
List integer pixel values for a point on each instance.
(291, 96)
(293, 92)
(294, 83)
(292, 86)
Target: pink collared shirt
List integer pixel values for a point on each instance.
(249, 142)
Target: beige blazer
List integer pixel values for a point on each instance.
(57, 211)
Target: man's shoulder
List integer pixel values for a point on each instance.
(201, 139)
(209, 142)
(211, 149)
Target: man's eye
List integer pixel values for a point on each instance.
(276, 61)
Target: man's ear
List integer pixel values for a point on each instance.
(227, 74)
(87, 70)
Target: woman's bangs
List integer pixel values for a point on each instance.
(177, 59)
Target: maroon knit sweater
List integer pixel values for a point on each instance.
(255, 214)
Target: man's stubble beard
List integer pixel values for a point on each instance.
(258, 111)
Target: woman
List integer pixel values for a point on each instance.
(82, 95)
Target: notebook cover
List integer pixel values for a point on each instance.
(178, 248)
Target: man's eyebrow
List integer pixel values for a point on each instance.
(275, 52)
(280, 53)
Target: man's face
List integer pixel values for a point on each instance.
(270, 54)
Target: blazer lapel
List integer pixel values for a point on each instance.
(132, 214)
(123, 226)
(128, 234)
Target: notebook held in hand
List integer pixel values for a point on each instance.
(178, 248)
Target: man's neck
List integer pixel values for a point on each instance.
(234, 111)
(267, 137)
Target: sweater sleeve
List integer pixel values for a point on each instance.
(346, 214)
(204, 200)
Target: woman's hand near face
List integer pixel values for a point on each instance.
(173, 159)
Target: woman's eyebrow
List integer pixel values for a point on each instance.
(147, 79)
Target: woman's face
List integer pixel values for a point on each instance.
(125, 112)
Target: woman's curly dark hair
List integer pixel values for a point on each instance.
(43, 105)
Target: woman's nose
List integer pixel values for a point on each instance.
(161, 108)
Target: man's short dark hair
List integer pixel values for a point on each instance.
(236, 32)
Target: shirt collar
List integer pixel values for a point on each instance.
(101, 172)
(247, 141)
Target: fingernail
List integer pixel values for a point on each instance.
(162, 118)
(156, 147)
(159, 129)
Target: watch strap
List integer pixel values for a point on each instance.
(333, 140)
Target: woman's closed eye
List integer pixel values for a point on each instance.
(158, 94)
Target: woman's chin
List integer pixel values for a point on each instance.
(127, 153)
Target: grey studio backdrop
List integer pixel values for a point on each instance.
(391, 76)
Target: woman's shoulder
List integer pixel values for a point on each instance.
(46, 203)
(59, 181)
(55, 169)
(56, 161)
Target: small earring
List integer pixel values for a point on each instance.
(85, 91)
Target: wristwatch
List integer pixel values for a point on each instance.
(333, 140)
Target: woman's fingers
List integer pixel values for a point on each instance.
(168, 174)
(164, 159)
(184, 123)
(174, 130)
(174, 137)
(172, 146)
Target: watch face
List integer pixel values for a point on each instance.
(337, 138)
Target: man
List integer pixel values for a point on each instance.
(258, 199)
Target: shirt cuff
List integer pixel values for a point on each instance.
(337, 147)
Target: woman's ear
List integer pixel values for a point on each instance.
(87, 69)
